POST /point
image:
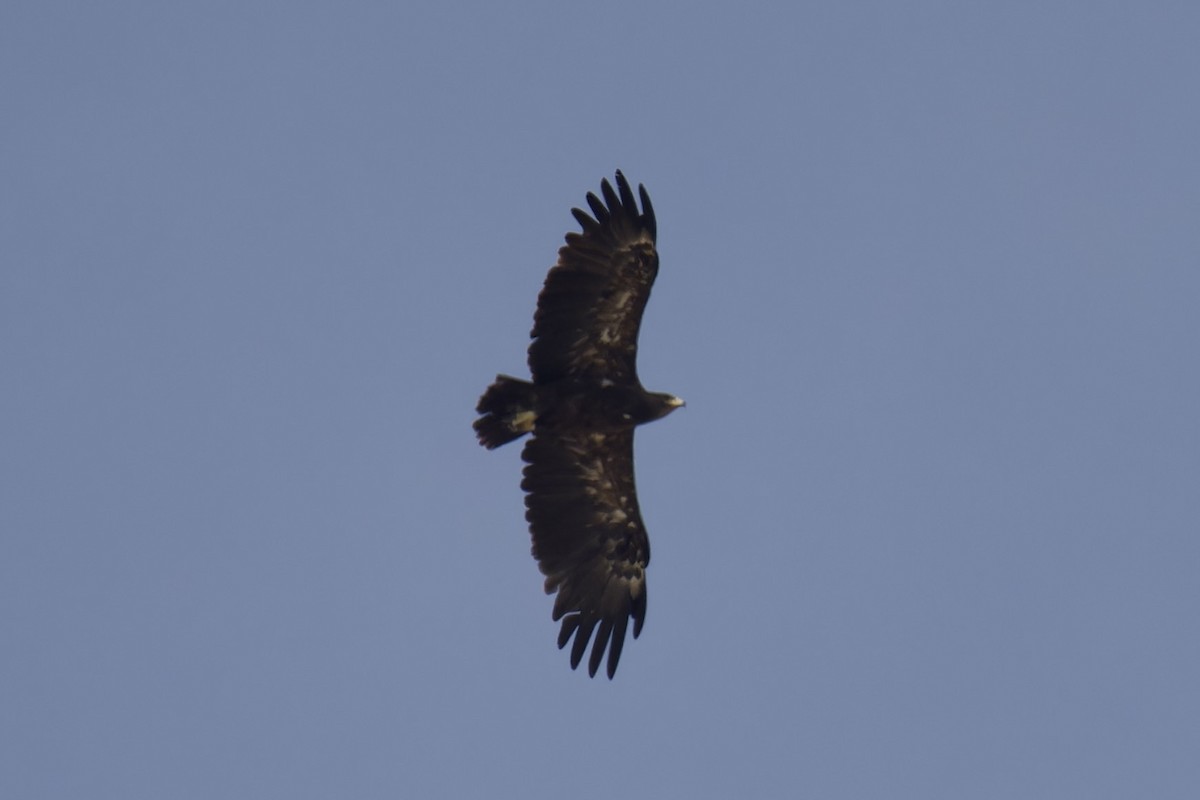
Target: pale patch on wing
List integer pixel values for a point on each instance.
(614, 314)
(616, 517)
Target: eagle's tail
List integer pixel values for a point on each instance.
(506, 411)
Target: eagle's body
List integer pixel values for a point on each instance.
(581, 408)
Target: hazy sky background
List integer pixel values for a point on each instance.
(928, 527)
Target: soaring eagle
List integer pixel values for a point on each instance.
(581, 408)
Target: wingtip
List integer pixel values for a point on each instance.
(648, 212)
(625, 192)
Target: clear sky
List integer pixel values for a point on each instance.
(928, 527)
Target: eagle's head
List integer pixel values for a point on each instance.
(660, 404)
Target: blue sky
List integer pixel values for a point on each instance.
(930, 278)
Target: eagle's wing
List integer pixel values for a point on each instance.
(591, 305)
(588, 537)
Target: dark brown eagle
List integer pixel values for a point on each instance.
(581, 408)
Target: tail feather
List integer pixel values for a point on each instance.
(506, 411)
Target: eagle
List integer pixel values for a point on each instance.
(580, 409)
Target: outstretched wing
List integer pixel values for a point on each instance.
(588, 537)
(590, 308)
